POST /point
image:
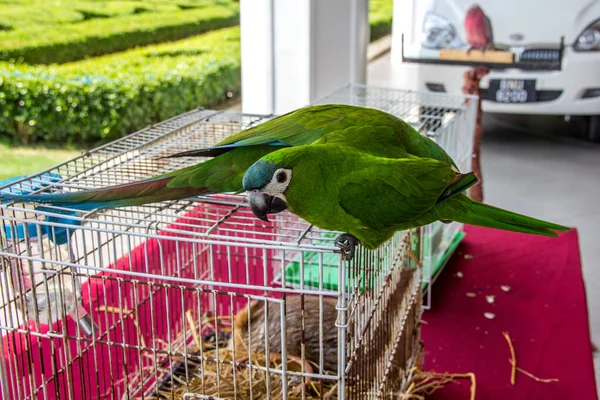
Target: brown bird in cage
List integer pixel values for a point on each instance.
(295, 334)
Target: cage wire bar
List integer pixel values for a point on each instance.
(197, 298)
(448, 119)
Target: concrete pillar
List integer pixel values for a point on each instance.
(297, 51)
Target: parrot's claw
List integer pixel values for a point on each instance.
(347, 243)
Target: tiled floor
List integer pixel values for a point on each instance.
(528, 167)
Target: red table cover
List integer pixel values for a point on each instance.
(544, 311)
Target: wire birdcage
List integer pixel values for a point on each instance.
(194, 298)
(449, 119)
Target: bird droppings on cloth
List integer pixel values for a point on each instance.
(471, 294)
(459, 274)
(490, 299)
(489, 315)
(505, 288)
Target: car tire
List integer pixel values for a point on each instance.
(594, 129)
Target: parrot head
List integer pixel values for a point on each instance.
(265, 183)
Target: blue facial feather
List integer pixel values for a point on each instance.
(259, 175)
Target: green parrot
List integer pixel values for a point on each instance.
(370, 180)
(345, 168)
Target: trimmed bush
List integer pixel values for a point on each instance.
(380, 18)
(65, 42)
(30, 14)
(107, 97)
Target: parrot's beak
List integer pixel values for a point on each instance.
(263, 204)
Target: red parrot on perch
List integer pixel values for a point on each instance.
(479, 29)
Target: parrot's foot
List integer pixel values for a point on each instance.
(347, 243)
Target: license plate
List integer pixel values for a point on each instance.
(512, 91)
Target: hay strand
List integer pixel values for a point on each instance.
(535, 378)
(425, 383)
(468, 375)
(513, 362)
(414, 258)
(513, 358)
(127, 313)
(192, 324)
(251, 379)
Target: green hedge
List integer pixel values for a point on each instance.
(380, 18)
(65, 42)
(58, 32)
(27, 14)
(104, 98)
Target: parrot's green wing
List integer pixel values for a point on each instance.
(397, 191)
(369, 130)
(219, 174)
(303, 126)
(383, 135)
(299, 127)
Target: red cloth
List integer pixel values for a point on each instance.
(544, 312)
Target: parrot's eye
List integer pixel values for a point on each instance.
(281, 177)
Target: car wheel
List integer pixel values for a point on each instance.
(594, 129)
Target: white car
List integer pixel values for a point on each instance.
(533, 30)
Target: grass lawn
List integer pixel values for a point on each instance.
(15, 161)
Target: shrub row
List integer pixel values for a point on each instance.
(380, 18)
(70, 31)
(106, 97)
(32, 13)
(65, 42)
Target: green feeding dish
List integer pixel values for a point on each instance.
(443, 259)
(329, 277)
(321, 271)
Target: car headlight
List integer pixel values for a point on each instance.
(439, 33)
(589, 40)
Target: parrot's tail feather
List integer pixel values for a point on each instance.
(208, 152)
(130, 194)
(220, 149)
(493, 217)
(460, 184)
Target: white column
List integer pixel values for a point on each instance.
(257, 56)
(292, 54)
(297, 51)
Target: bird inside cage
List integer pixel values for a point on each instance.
(249, 329)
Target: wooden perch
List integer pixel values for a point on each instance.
(491, 56)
